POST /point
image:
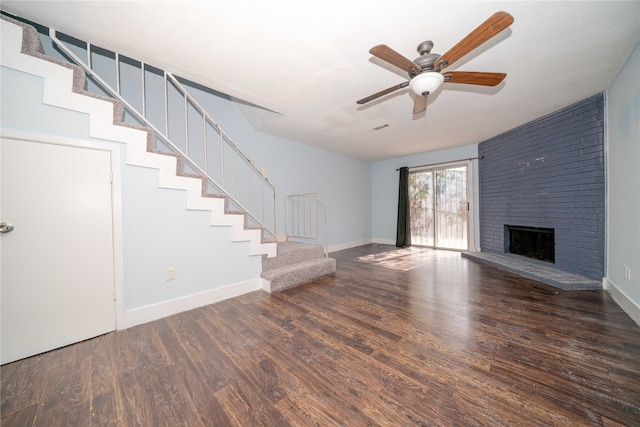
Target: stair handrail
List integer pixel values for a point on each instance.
(164, 135)
(308, 221)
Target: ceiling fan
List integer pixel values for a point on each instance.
(425, 72)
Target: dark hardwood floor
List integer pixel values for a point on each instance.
(396, 338)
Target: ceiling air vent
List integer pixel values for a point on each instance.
(381, 127)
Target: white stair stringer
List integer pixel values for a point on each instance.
(58, 84)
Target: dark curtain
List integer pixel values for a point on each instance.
(403, 234)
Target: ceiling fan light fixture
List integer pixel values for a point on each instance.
(427, 82)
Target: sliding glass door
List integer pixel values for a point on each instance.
(438, 207)
(421, 203)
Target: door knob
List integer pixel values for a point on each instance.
(6, 227)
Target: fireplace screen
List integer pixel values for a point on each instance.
(532, 242)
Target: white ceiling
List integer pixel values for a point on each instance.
(306, 63)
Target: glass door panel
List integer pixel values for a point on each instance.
(451, 208)
(421, 208)
(438, 207)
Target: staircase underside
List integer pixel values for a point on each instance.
(171, 166)
(285, 266)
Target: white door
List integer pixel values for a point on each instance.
(56, 266)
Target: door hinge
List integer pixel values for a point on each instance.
(467, 206)
(111, 177)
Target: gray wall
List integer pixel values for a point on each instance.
(549, 173)
(623, 166)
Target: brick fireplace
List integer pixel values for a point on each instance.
(549, 175)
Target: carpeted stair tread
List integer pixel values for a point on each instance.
(292, 275)
(292, 253)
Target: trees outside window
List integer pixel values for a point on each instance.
(438, 207)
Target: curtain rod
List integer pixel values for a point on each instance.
(443, 163)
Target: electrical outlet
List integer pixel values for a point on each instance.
(627, 273)
(170, 273)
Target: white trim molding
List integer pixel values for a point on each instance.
(348, 245)
(629, 307)
(138, 316)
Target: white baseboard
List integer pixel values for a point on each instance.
(627, 305)
(393, 243)
(384, 242)
(138, 316)
(348, 245)
(265, 284)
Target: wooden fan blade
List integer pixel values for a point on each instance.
(382, 93)
(489, 28)
(474, 78)
(420, 104)
(389, 55)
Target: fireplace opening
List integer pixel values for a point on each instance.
(533, 242)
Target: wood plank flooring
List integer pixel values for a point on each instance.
(397, 337)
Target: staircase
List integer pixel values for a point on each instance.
(301, 258)
(295, 263)
(285, 264)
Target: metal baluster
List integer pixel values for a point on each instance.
(298, 225)
(237, 177)
(89, 56)
(275, 212)
(144, 90)
(204, 143)
(118, 74)
(251, 187)
(221, 156)
(166, 105)
(286, 215)
(306, 214)
(186, 125)
(326, 242)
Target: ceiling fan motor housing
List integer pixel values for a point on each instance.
(426, 58)
(425, 62)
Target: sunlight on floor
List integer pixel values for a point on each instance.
(403, 259)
